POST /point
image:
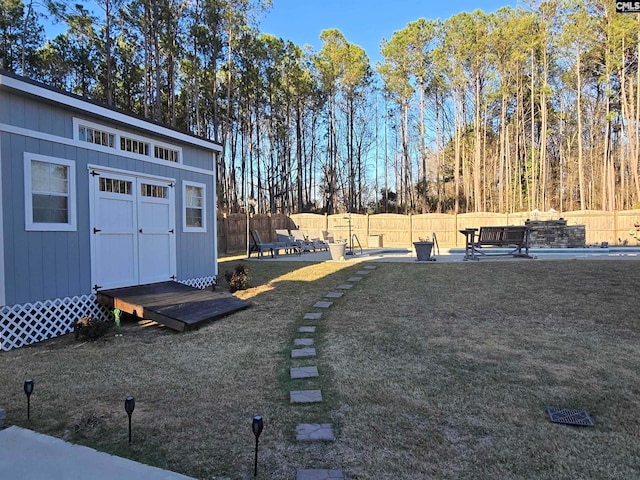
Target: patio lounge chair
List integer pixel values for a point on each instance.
(287, 242)
(301, 240)
(260, 247)
(327, 237)
(316, 238)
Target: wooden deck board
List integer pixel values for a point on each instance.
(173, 304)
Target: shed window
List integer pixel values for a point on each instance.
(99, 137)
(166, 154)
(113, 185)
(49, 193)
(155, 191)
(194, 207)
(134, 146)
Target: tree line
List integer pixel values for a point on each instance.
(534, 107)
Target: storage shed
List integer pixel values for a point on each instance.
(93, 198)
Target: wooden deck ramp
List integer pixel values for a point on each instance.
(173, 304)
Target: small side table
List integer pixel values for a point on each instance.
(469, 239)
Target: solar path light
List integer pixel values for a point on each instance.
(129, 406)
(28, 390)
(257, 426)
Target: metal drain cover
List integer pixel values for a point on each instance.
(569, 416)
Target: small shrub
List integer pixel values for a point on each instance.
(238, 279)
(91, 328)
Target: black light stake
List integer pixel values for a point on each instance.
(28, 390)
(257, 427)
(129, 406)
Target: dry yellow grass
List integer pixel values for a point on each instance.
(428, 371)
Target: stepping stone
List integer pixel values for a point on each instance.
(344, 286)
(362, 272)
(333, 294)
(303, 372)
(303, 342)
(322, 304)
(303, 352)
(313, 432)
(308, 474)
(354, 279)
(305, 396)
(307, 329)
(312, 316)
(370, 267)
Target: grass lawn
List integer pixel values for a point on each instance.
(438, 370)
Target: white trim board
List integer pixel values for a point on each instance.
(120, 171)
(3, 297)
(78, 103)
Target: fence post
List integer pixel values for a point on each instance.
(366, 236)
(410, 220)
(246, 240)
(225, 223)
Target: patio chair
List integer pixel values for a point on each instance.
(287, 242)
(327, 237)
(316, 238)
(260, 247)
(300, 239)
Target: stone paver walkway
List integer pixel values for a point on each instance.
(303, 372)
(322, 304)
(305, 396)
(333, 294)
(303, 352)
(307, 474)
(313, 432)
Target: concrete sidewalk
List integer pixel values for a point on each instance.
(27, 455)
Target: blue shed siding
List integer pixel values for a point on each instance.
(33, 114)
(202, 263)
(40, 265)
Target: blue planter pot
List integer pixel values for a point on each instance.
(423, 250)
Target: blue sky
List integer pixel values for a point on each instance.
(362, 22)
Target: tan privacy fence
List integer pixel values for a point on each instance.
(232, 230)
(393, 230)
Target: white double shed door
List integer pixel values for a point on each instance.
(133, 232)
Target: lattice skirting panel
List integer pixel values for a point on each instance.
(29, 323)
(201, 283)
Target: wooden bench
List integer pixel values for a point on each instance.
(501, 236)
